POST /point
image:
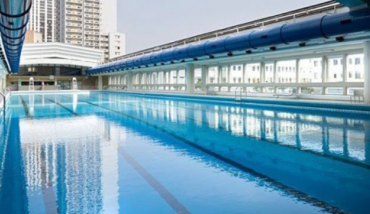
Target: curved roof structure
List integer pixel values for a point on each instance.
(336, 26)
(60, 54)
(14, 16)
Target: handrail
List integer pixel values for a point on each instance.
(4, 103)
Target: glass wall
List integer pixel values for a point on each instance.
(236, 74)
(310, 70)
(269, 73)
(225, 75)
(173, 77)
(355, 68)
(307, 75)
(213, 75)
(49, 71)
(253, 73)
(181, 77)
(198, 76)
(335, 69)
(286, 71)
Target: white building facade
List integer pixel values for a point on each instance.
(44, 19)
(87, 23)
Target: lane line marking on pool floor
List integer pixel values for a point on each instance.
(25, 107)
(155, 184)
(62, 106)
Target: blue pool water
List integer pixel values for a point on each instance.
(120, 153)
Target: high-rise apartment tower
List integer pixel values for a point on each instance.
(88, 23)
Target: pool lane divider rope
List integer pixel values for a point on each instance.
(155, 184)
(296, 193)
(347, 161)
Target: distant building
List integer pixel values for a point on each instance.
(45, 19)
(54, 65)
(33, 37)
(88, 23)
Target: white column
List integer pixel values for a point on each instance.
(324, 67)
(345, 73)
(100, 82)
(297, 70)
(204, 78)
(275, 76)
(367, 72)
(190, 78)
(244, 67)
(140, 79)
(229, 76)
(219, 70)
(297, 77)
(129, 81)
(219, 81)
(262, 73)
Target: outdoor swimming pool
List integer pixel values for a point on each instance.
(109, 152)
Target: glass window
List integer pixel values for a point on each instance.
(254, 90)
(350, 90)
(224, 75)
(310, 70)
(160, 77)
(286, 90)
(236, 75)
(311, 90)
(269, 90)
(355, 71)
(173, 77)
(335, 70)
(287, 73)
(198, 75)
(335, 91)
(213, 75)
(269, 72)
(181, 77)
(252, 73)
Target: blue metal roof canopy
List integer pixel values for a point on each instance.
(353, 3)
(14, 16)
(327, 26)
